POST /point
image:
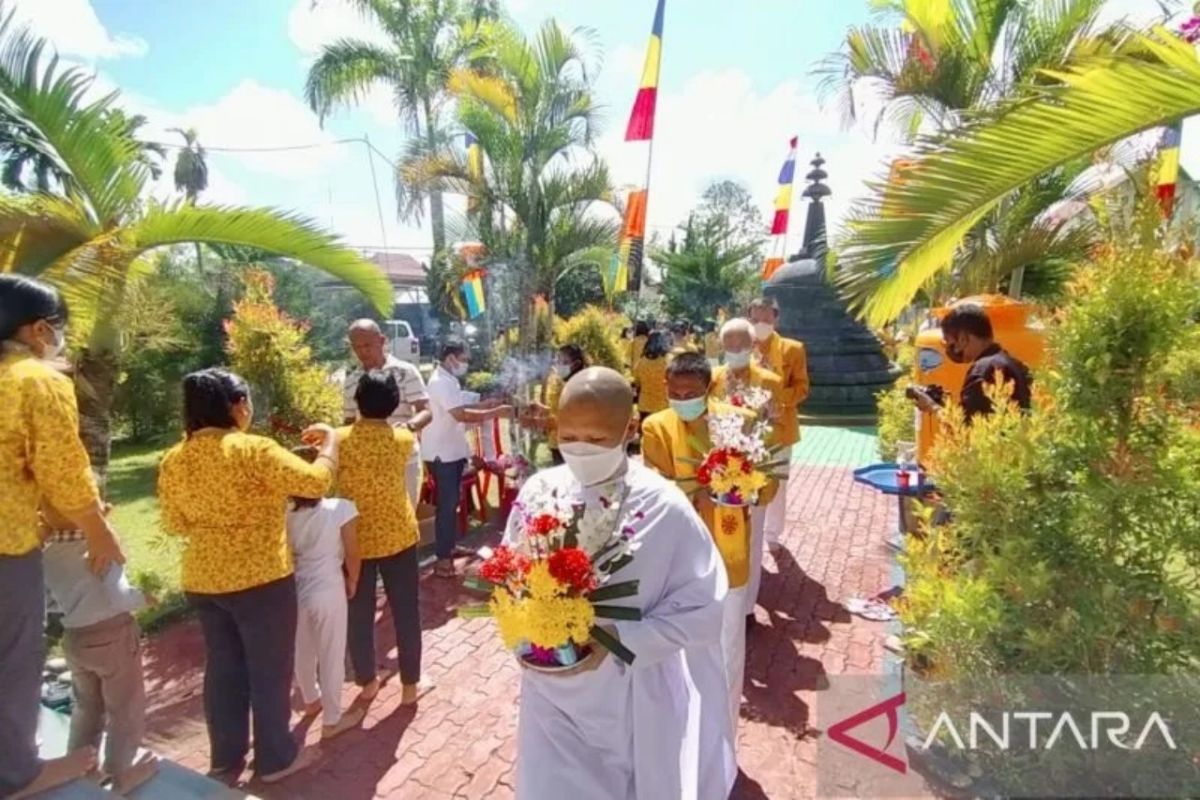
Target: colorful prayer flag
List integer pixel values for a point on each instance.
(472, 292)
(783, 207)
(641, 119)
(1168, 168)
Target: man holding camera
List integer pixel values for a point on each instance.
(967, 335)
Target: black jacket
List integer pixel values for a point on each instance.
(973, 396)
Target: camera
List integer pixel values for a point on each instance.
(935, 393)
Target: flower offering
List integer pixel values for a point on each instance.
(737, 464)
(550, 587)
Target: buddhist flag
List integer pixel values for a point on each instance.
(472, 292)
(1168, 168)
(474, 167)
(627, 268)
(641, 119)
(783, 207)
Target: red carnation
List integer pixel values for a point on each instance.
(501, 565)
(571, 566)
(719, 457)
(736, 400)
(704, 475)
(544, 525)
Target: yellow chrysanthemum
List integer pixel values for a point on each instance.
(542, 585)
(545, 618)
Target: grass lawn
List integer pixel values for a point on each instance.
(152, 556)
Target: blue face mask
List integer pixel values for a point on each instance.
(689, 410)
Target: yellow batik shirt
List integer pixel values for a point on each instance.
(41, 455)
(225, 494)
(371, 466)
(651, 377)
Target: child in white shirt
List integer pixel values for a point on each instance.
(325, 548)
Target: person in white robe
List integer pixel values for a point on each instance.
(659, 728)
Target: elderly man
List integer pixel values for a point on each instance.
(658, 728)
(730, 381)
(787, 359)
(370, 348)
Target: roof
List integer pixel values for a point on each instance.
(400, 268)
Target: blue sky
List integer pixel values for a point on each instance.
(736, 84)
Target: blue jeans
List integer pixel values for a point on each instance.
(447, 476)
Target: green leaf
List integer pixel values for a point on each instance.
(614, 591)
(612, 644)
(474, 611)
(479, 584)
(617, 612)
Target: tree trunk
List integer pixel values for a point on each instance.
(437, 211)
(95, 381)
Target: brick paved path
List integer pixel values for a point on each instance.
(461, 742)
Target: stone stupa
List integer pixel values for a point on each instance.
(846, 364)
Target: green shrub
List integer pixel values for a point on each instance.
(484, 383)
(1075, 539)
(268, 349)
(597, 332)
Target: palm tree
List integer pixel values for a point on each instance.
(894, 249)
(429, 39)
(537, 206)
(91, 237)
(191, 166)
(709, 270)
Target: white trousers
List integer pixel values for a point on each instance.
(321, 652)
(777, 514)
(758, 543)
(733, 650)
(412, 476)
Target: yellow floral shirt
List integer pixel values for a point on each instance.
(371, 463)
(41, 455)
(226, 495)
(651, 377)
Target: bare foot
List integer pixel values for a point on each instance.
(142, 770)
(58, 771)
(228, 775)
(304, 759)
(311, 709)
(410, 693)
(349, 721)
(368, 692)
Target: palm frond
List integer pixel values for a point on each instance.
(890, 254)
(489, 91)
(286, 234)
(344, 73)
(37, 230)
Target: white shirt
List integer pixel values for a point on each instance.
(408, 378)
(659, 727)
(315, 535)
(444, 438)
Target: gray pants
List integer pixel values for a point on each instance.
(22, 652)
(106, 672)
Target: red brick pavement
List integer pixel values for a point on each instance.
(461, 741)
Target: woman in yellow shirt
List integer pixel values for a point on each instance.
(225, 493)
(41, 457)
(570, 361)
(650, 375)
(372, 457)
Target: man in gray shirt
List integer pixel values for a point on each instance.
(370, 348)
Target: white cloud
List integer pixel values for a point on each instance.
(720, 125)
(255, 116)
(74, 29)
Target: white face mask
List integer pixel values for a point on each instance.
(563, 370)
(54, 349)
(737, 360)
(592, 464)
(763, 330)
(457, 368)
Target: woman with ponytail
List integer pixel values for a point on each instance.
(41, 459)
(225, 492)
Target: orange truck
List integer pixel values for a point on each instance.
(1015, 330)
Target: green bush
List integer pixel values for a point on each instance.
(484, 383)
(1075, 539)
(597, 332)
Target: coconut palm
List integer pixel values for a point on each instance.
(191, 166)
(895, 248)
(90, 237)
(539, 201)
(428, 40)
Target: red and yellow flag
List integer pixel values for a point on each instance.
(1168, 168)
(641, 119)
(783, 207)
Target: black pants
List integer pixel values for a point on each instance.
(22, 651)
(250, 647)
(447, 476)
(400, 572)
(556, 456)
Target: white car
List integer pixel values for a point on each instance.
(402, 342)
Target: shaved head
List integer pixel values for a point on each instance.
(596, 406)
